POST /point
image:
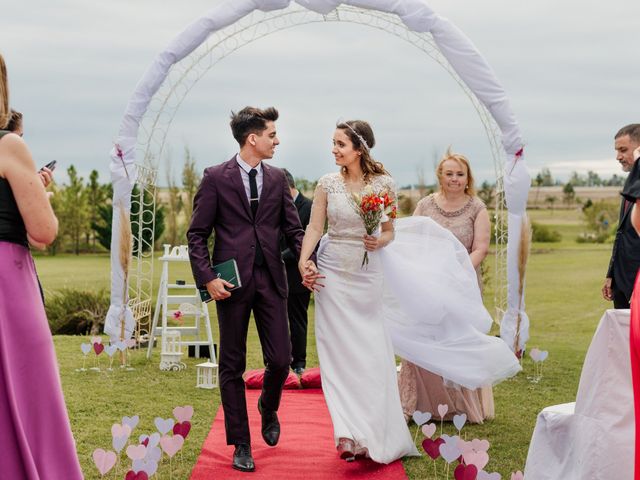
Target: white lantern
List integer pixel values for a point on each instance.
(170, 357)
(207, 375)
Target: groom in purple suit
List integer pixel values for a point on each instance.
(247, 204)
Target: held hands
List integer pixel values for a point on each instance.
(310, 275)
(607, 294)
(217, 290)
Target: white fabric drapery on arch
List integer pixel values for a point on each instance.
(460, 52)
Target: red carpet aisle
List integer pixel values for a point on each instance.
(305, 450)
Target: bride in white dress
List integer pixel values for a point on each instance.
(430, 306)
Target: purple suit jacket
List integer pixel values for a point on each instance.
(221, 206)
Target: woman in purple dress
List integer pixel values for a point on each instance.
(35, 435)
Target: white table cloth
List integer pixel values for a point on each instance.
(593, 438)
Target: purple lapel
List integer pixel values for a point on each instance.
(233, 173)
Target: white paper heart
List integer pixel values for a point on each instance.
(85, 347)
(119, 443)
(449, 451)
(136, 452)
(110, 350)
(145, 465)
(171, 445)
(517, 475)
(443, 408)
(429, 429)
(421, 417)
(121, 345)
(183, 414)
(534, 353)
(480, 445)
(119, 430)
(164, 426)
(543, 355)
(459, 421)
(479, 459)
(132, 422)
(154, 439)
(482, 475)
(153, 453)
(104, 460)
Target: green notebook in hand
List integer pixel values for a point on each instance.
(226, 271)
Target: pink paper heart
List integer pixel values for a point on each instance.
(130, 342)
(183, 414)
(182, 429)
(98, 348)
(479, 459)
(480, 445)
(432, 447)
(104, 460)
(443, 408)
(517, 475)
(464, 446)
(482, 475)
(118, 430)
(141, 475)
(465, 472)
(136, 452)
(429, 429)
(171, 445)
(95, 340)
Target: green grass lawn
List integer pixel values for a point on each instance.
(563, 303)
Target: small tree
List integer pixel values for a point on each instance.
(569, 194)
(551, 200)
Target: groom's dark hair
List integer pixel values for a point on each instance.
(251, 120)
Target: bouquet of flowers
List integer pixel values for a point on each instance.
(371, 206)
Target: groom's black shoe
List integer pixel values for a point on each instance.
(242, 459)
(270, 425)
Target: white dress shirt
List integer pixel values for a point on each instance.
(245, 168)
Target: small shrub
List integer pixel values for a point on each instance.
(544, 234)
(76, 312)
(591, 237)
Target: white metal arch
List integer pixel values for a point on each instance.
(157, 116)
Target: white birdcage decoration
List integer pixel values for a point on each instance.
(207, 375)
(171, 355)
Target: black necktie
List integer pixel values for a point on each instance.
(253, 201)
(253, 191)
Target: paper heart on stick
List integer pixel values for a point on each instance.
(121, 345)
(182, 429)
(543, 355)
(429, 429)
(163, 426)
(130, 342)
(104, 460)
(534, 354)
(183, 414)
(149, 466)
(98, 348)
(95, 340)
(119, 443)
(153, 453)
(85, 347)
(421, 417)
(110, 350)
(479, 459)
(136, 452)
(132, 422)
(171, 445)
(465, 472)
(480, 445)
(450, 451)
(432, 447)
(131, 475)
(459, 421)
(464, 446)
(517, 475)
(482, 475)
(118, 430)
(443, 408)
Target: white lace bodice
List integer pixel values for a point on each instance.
(344, 221)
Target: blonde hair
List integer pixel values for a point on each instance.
(463, 162)
(5, 112)
(361, 135)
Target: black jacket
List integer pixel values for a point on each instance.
(303, 204)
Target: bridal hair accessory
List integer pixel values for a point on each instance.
(363, 142)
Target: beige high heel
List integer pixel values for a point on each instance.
(347, 449)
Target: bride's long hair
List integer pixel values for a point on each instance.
(361, 135)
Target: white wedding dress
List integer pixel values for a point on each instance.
(419, 295)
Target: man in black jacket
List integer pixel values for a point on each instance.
(625, 257)
(299, 296)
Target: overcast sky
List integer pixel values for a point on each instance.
(570, 68)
